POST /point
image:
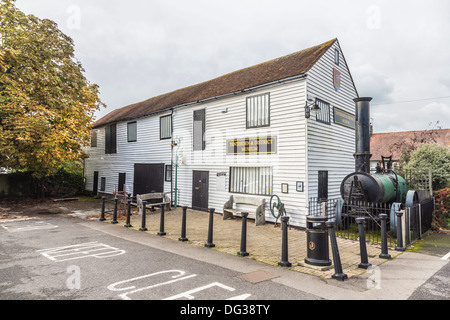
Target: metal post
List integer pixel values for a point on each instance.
(128, 224)
(102, 216)
(210, 244)
(243, 252)
(362, 244)
(284, 243)
(399, 246)
(384, 247)
(183, 226)
(338, 273)
(324, 208)
(161, 223)
(114, 221)
(144, 209)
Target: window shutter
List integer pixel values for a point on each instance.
(323, 185)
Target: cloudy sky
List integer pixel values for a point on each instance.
(398, 51)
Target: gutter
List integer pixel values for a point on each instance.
(208, 99)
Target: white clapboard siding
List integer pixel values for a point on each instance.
(303, 146)
(330, 146)
(147, 149)
(286, 123)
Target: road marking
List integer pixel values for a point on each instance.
(189, 294)
(446, 256)
(79, 251)
(129, 286)
(133, 289)
(39, 225)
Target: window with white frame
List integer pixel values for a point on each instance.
(132, 131)
(258, 111)
(251, 180)
(165, 126)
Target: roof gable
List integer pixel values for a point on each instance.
(294, 64)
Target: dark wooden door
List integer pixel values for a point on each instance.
(95, 187)
(323, 186)
(148, 178)
(122, 180)
(200, 186)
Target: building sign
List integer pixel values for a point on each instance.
(258, 145)
(336, 79)
(344, 118)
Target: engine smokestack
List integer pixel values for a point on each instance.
(362, 135)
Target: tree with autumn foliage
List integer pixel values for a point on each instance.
(46, 103)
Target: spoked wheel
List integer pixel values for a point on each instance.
(275, 203)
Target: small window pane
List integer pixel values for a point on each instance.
(251, 180)
(199, 130)
(165, 124)
(132, 131)
(258, 111)
(94, 139)
(168, 176)
(102, 184)
(324, 113)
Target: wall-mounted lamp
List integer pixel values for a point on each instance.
(314, 110)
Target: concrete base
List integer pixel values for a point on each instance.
(320, 268)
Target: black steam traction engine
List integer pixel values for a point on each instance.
(367, 194)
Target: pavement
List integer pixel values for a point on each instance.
(394, 279)
(263, 242)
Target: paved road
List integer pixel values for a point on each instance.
(60, 258)
(56, 257)
(436, 287)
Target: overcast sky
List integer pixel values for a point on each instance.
(397, 51)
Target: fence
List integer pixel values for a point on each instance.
(417, 179)
(417, 218)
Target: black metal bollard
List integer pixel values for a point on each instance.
(114, 221)
(384, 247)
(144, 209)
(338, 273)
(284, 243)
(362, 244)
(161, 223)
(399, 246)
(210, 244)
(128, 224)
(183, 226)
(243, 252)
(102, 216)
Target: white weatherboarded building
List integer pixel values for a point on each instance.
(244, 133)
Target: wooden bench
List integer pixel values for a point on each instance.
(162, 196)
(238, 204)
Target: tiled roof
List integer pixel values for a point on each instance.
(381, 143)
(285, 67)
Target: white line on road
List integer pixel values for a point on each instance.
(446, 256)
